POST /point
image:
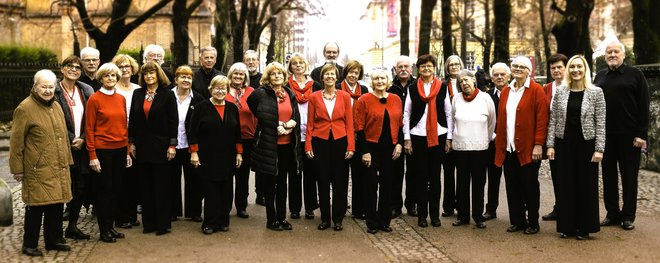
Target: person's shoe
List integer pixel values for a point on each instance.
(412, 211)
(58, 247)
(396, 213)
(162, 232)
(197, 219)
(448, 213)
(562, 235)
(260, 200)
(422, 223)
(436, 223)
(207, 230)
(223, 229)
(116, 234)
(531, 230)
(460, 223)
(286, 225)
(338, 227)
(275, 226)
(135, 222)
(32, 252)
(481, 224)
(295, 215)
(242, 214)
(139, 209)
(609, 222)
(628, 225)
(360, 216)
(309, 214)
(323, 226)
(75, 233)
(490, 215)
(514, 228)
(372, 230)
(107, 238)
(584, 236)
(552, 216)
(385, 229)
(174, 218)
(124, 225)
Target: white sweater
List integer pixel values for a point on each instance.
(474, 122)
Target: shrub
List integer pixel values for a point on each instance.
(23, 54)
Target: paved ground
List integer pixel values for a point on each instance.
(249, 241)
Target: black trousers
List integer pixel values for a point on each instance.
(449, 192)
(79, 187)
(130, 194)
(52, 217)
(522, 191)
(295, 188)
(402, 171)
(217, 202)
(577, 186)
(471, 166)
(494, 177)
(193, 188)
(242, 176)
(310, 191)
(620, 151)
(427, 163)
(275, 186)
(155, 186)
(379, 185)
(331, 171)
(359, 184)
(108, 186)
(555, 183)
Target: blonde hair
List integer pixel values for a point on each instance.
(381, 72)
(219, 80)
(586, 81)
(297, 57)
(107, 69)
(122, 58)
(270, 69)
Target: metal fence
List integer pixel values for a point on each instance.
(16, 82)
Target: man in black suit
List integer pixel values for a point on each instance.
(251, 60)
(500, 74)
(331, 53)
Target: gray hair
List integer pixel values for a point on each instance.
(616, 42)
(402, 58)
(466, 73)
(153, 48)
(208, 48)
(239, 67)
(451, 58)
(44, 75)
(89, 51)
(499, 65)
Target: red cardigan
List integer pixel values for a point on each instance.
(369, 114)
(531, 124)
(319, 123)
(547, 88)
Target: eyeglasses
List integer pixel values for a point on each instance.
(499, 74)
(219, 90)
(73, 68)
(90, 60)
(426, 66)
(122, 67)
(403, 66)
(518, 66)
(454, 65)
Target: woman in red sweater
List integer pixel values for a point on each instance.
(107, 141)
(379, 123)
(330, 141)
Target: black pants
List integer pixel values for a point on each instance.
(449, 176)
(427, 163)
(494, 177)
(217, 202)
(242, 176)
(331, 171)
(379, 185)
(295, 188)
(619, 151)
(155, 184)
(555, 183)
(78, 190)
(359, 184)
(522, 191)
(108, 185)
(193, 188)
(400, 174)
(275, 186)
(128, 200)
(471, 166)
(310, 191)
(52, 217)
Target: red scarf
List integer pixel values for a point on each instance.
(355, 95)
(471, 97)
(302, 95)
(431, 114)
(450, 88)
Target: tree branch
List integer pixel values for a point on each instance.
(140, 19)
(556, 7)
(194, 5)
(93, 31)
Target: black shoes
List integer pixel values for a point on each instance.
(552, 216)
(338, 227)
(460, 223)
(207, 230)
(107, 238)
(58, 247)
(116, 234)
(33, 252)
(422, 223)
(436, 223)
(514, 228)
(412, 211)
(162, 232)
(396, 213)
(275, 226)
(260, 200)
(295, 215)
(223, 229)
(124, 225)
(385, 229)
(309, 214)
(372, 230)
(531, 230)
(286, 225)
(242, 214)
(75, 233)
(197, 219)
(323, 226)
(481, 224)
(609, 222)
(360, 216)
(628, 225)
(490, 215)
(448, 213)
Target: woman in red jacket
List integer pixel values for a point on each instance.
(330, 141)
(379, 122)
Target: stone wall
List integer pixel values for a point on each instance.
(651, 159)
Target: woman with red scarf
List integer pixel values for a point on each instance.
(427, 126)
(474, 123)
(302, 86)
(354, 71)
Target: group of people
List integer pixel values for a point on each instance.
(94, 136)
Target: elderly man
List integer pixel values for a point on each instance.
(251, 60)
(203, 76)
(501, 74)
(331, 53)
(402, 82)
(156, 54)
(90, 63)
(627, 120)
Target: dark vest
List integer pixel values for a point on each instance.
(418, 106)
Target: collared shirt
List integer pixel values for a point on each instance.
(511, 112)
(107, 92)
(420, 128)
(182, 107)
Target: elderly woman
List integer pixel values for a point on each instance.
(378, 122)
(453, 65)
(127, 216)
(186, 99)
(107, 143)
(215, 146)
(522, 120)
(239, 91)
(153, 139)
(275, 153)
(427, 127)
(72, 96)
(474, 124)
(576, 140)
(330, 141)
(353, 72)
(40, 156)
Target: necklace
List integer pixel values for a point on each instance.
(71, 101)
(150, 96)
(329, 97)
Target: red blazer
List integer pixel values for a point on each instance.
(319, 123)
(547, 88)
(531, 123)
(370, 113)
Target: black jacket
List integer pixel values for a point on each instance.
(418, 106)
(152, 136)
(201, 81)
(81, 156)
(398, 89)
(263, 104)
(216, 139)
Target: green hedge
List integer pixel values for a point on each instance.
(15, 54)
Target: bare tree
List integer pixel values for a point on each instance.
(647, 37)
(447, 46)
(181, 14)
(404, 36)
(485, 38)
(502, 13)
(223, 32)
(426, 17)
(572, 30)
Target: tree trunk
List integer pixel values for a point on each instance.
(180, 31)
(572, 31)
(488, 35)
(645, 26)
(238, 22)
(447, 47)
(270, 55)
(502, 13)
(223, 33)
(546, 40)
(405, 27)
(426, 18)
(464, 32)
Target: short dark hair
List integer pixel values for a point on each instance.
(70, 60)
(556, 58)
(423, 59)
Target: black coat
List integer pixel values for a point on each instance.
(152, 136)
(402, 91)
(216, 139)
(201, 81)
(81, 156)
(495, 98)
(263, 104)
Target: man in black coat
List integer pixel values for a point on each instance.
(331, 53)
(251, 60)
(89, 57)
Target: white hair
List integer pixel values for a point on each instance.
(402, 58)
(502, 66)
(153, 48)
(44, 75)
(208, 48)
(523, 60)
(89, 51)
(616, 42)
